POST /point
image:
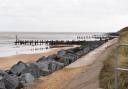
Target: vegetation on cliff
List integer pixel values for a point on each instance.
(107, 75)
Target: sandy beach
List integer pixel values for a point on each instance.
(7, 62)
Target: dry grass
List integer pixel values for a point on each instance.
(107, 74)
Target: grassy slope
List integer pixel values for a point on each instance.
(107, 73)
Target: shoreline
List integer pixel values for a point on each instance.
(10, 50)
(9, 61)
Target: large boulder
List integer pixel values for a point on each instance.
(64, 60)
(43, 66)
(2, 85)
(72, 57)
(70, 51)
(47, 59)
(61, 53)
(33, 70)
(86, 50)
(68, 58)
(54, 56)
(2, 73)
(73, 50)
(10, 82)
(54, 65)
(79, 53)
(59, 65)
(45, 72)
(26, 78)
(18, 68)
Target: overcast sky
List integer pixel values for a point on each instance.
(63, 15)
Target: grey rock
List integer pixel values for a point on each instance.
(18, 68)
(43, 66)
(76, 49)
(79, 53)
(45, 72)
(2, 73)
(27, 78)
(33, 70)
(10, 82)
(86, 50)
(68, 58)
(2, 85)
(61, 53)
(64, 60)
(72, 57)
(54, 65)
(59, 65)
(70, 51)
(54, 56)
(47, 59)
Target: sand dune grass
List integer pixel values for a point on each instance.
(107, 74)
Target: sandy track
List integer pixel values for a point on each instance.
(92, 65)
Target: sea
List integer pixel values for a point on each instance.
(8, 48)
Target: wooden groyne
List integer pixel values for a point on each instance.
(79, 39)
(51, 42)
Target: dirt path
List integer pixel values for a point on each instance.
(82, 74)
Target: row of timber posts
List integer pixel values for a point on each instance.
(41, 42)
(57, 42)
(47, 42)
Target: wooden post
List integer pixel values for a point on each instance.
(16, 40)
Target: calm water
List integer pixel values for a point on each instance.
(7, 47)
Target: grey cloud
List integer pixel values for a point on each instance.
(63, 15)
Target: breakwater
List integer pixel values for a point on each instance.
(21, 74)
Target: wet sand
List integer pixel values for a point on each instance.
(7, 62)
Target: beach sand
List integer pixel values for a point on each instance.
(7, 62)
